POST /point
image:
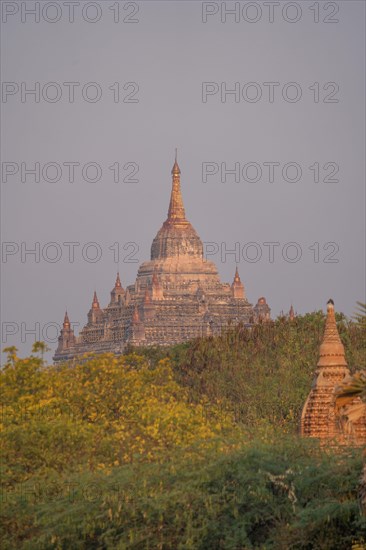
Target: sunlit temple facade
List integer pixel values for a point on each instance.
(177, 296)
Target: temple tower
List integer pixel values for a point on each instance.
(177, 294)
(66, 340)
(291, 313)
(318, 417)
(95, 313)
(177, 251)
(237, 287)
(117, 293)
(261, 310)
(137, 329)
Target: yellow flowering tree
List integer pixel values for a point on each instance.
(103, 412)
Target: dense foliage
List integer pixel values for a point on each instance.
(189, 447)
(284, 494)
(104, 412)
(262, 376)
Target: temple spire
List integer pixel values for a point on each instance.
(319, 418)
(176, 208)
(118, 281)
(95, 304)
(237, 288)
(291, 313)
(331, 351)
(176, 169)
(66, 323)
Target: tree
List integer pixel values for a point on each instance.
(346, 394)
(360, 315)
(12, 355)
(40, 346)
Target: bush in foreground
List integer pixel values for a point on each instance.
(278, 495)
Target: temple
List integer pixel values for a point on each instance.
(177, 296)
(320, 418)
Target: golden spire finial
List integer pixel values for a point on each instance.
(331, 351)
(176, 169)
(176, 210)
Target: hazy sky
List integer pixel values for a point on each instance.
(159, 64)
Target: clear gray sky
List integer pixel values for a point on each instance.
(162, 60)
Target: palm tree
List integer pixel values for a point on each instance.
(360, 315)
(352, 387)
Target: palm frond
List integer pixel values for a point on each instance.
(352, 387)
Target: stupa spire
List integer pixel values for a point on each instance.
(318, 417)
(176, 210)
(331, 351)
(95, 304)
(291, 313)
(176, 169)
(66, 323)
(118, 281)
(237, 288)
